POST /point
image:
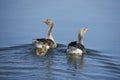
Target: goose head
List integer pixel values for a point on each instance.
(48, 22)
(83, 31)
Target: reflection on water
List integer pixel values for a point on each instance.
(76, 60)
(20, 62)
(40, 51)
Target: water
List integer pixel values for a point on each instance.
(19, 62)
(20, 23)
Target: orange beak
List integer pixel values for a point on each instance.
(44, 21)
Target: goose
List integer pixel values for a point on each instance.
(48, 42)
(75, 47)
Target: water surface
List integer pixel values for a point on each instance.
(20, 22)
(19, 62)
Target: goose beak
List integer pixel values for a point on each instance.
(86, 29)
(44, 21)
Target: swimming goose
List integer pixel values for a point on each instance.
(77, 47)
(47, 42)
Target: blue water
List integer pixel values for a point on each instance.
(20, 22)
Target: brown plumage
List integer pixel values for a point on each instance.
(44, 44)
(78, 47)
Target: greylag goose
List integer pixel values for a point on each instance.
(44, 44)
(77, 47)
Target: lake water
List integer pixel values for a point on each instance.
(20, 22)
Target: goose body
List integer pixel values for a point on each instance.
(48, 42)
(42, 41)
(77, 47)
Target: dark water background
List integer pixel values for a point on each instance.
(20, 22)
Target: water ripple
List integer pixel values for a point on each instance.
(20, 62)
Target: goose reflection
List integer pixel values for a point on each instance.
(41, 51)
(76, 61)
